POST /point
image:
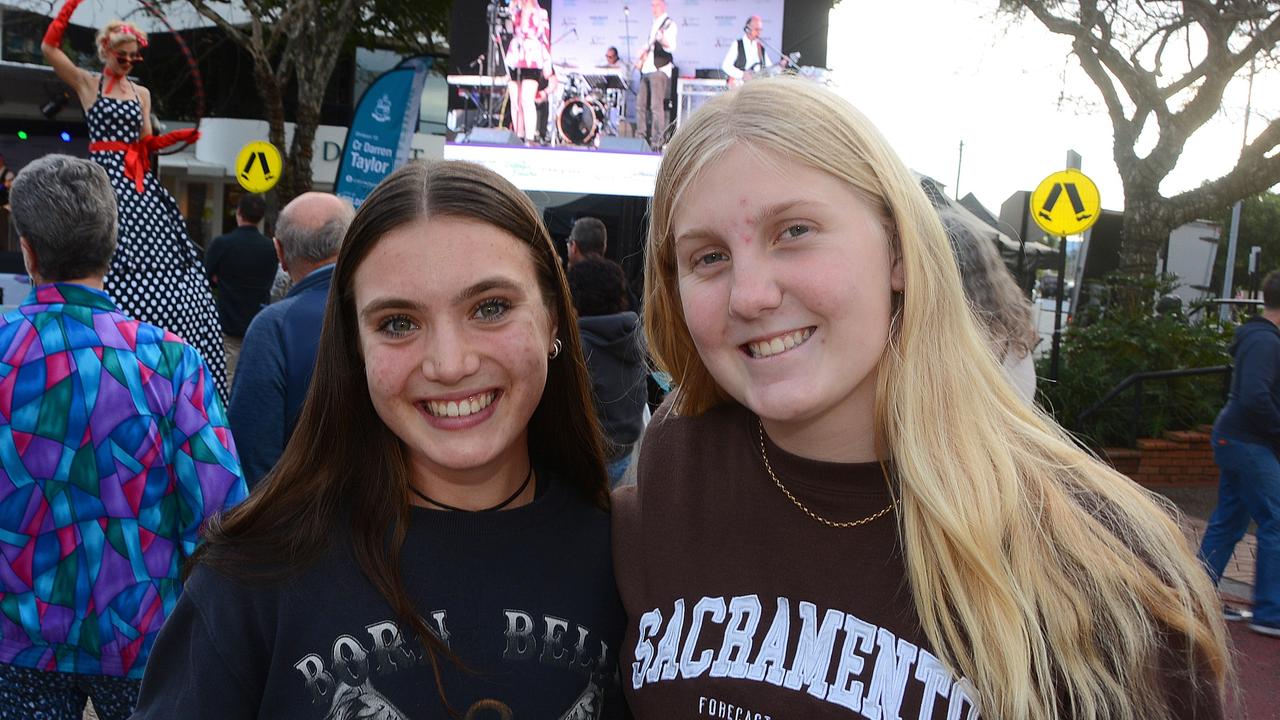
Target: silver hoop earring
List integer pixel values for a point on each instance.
(555, 349)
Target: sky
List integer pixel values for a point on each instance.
(931, 74)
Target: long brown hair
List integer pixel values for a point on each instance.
(344, 465)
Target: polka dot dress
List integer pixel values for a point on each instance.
(156, 274)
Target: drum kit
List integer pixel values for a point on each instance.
(592, 104)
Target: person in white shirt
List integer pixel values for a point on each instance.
(748, 55)
(655, 76)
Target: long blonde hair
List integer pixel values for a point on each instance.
(1055, 584)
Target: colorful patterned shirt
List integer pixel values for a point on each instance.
(115, 449)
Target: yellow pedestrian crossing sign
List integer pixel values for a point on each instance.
(258, 166)
(1066, 203)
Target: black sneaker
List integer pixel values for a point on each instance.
(1265, 629)
(1231, 614)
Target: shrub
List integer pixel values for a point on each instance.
(1121, 334)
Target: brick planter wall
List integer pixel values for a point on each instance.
(1179, 458)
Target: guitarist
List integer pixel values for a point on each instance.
(655, 76)
(747, 56)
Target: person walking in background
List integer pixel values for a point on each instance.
(1246, 443)
(241, 265)
(1002, 311)
(115, 452)
(156, 274)
(614, 350)
(280, 347)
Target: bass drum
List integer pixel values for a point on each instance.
(580, 121)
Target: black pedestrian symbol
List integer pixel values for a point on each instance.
(1072, 194)
(259, 157)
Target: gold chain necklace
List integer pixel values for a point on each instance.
(796, 501)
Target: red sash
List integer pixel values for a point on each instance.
(137, 156)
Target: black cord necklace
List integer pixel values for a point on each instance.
(499, 506)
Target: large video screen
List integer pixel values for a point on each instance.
(582, 95)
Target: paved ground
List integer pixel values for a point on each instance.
(1257, 656)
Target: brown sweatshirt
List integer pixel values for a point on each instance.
(742, 607)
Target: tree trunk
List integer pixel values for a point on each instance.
(1144, 233)
(304, 135)
(269, 89)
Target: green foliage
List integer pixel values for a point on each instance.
(1123, 335)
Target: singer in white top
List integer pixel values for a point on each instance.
(748, 55)
(655, 76)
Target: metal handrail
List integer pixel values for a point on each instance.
(1136, 380)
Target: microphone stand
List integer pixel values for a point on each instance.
(495, 58)
(791, 62)
(626, 19)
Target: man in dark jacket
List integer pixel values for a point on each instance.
(242, 266)
(612, 342)
(280, 346)
(1246, 440)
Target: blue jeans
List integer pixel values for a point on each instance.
(1248, 487)
(617, 468)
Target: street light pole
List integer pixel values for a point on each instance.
(1228, 277)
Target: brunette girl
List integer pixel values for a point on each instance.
(434, 539)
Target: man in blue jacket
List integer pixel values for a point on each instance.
(1246, 439)
(280, 346)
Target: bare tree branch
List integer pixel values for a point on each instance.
(1127, 49)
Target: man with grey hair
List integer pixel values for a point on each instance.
(280, 346)
(115, 451)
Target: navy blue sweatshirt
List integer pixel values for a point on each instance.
(525, 597)
(1252, 412)
(614, 349)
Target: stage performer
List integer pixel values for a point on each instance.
(748, 55)
(655, 76)
(528, 58)
(156, 274)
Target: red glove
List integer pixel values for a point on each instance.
(53, 36)
(157, 142)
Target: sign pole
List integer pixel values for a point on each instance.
(1057, 309)
(1065, 203)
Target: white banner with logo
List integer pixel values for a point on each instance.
(581, 30)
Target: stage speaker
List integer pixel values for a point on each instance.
(622, 144)
(494, 136)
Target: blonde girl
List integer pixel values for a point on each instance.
(845, 510)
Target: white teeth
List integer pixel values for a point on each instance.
(460, 408)
(779, 344)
